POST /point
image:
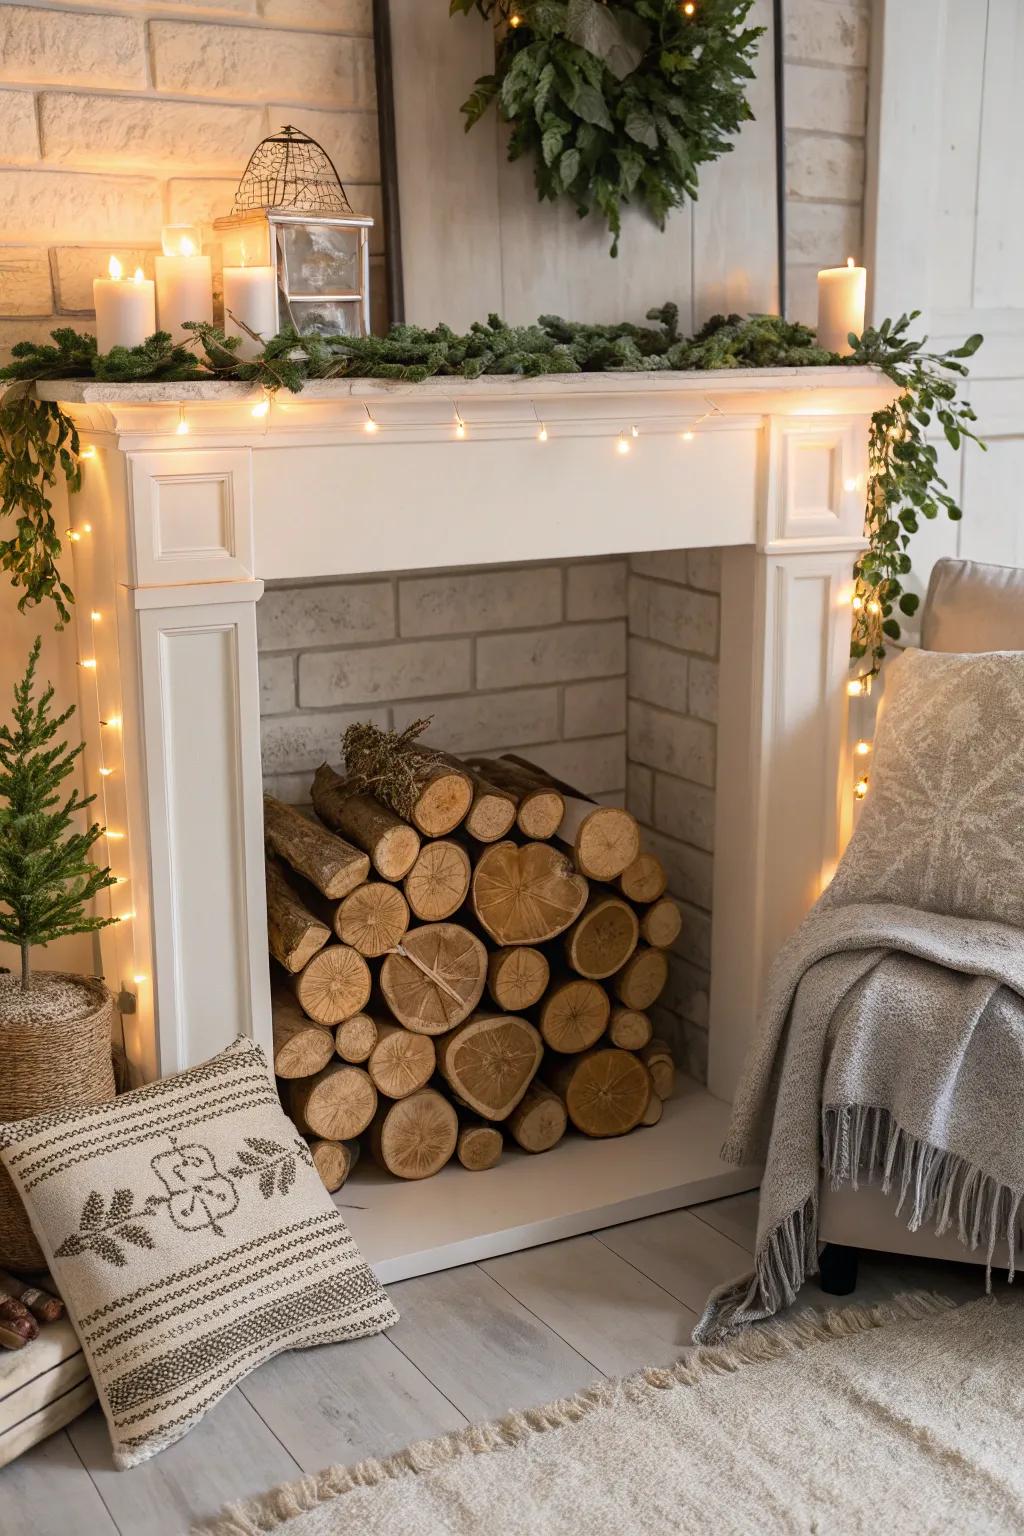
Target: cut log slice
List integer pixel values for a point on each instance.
(373, 918)
(606, 1092)
(436, 980)
(334, 985)
(479, 1147)
(538, 807)
(443, 801)
(539, 1120)
(658, 1059)
(294, 935)
(401, 1062)
(517, 977)
(645, 879)
(437, 884)
(662, 923)
(492, 814)
(605, 838)
(525, 895)
(654, 1111)
(301, 1047)
(327, 861)
(642, 979)
(390, 842)
(603, 938)
(333, 1161)
(629, 1029)
(415, 1137)
(574, 1014)
(489, 1062)
(336, 1105)
(355, 1038)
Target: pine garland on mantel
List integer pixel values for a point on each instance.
(39, 442)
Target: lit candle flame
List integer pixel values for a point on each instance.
(115, 268)
(849, 261)
(186, 247)
(140, 276)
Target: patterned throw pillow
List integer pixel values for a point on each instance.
(191, 1239)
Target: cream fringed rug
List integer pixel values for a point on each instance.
(899, 1418)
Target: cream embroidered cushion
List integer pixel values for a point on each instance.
(191, 1239)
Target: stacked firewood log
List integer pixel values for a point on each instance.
(465, 954)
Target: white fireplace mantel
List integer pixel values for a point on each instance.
(190, 502)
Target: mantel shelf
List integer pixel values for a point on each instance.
(728, 387)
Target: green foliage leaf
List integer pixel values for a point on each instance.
(618, 37)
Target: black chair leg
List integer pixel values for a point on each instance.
(838, 1269)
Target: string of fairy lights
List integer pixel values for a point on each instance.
(110, 731)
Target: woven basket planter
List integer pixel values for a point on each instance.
(62, 1064)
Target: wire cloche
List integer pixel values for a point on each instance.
(292, 215)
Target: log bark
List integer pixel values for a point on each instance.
(606, 1091)
(390, 842)
(489, 1062)
(333, 1161)
(437, 884)
(517, 977)
(526, 895)
(574, 1014)
(539, 1120)
(662, 923)
(372, 918)
(415, 1137)
(355, 1038)
(301, 1047)
(293, 933)
(645, 879)
(629, 1029)
(658, 1059)
(335, 1105)
(436, 980)
(334, 985)
(538, 808)
(642, 978)
(605, 839)
(603, 937)
(401, 1062)
(327, 861)
(479, 1147)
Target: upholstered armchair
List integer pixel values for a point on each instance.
(968, 607)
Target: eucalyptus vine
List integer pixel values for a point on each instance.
(39, 443)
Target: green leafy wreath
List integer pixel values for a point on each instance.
(617, 103)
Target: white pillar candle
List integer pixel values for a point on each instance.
(125, 311)
(841, 295)
(251, 297)
(184, 281)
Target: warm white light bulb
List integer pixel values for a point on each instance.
(74, 535)
(87, 453)
(854, 688)
(635, 431)
(688, 437)
(87, 527)
(874, 606)
(95, 615)
(460, 430)
(542, 435)
(112, 720)
(862, 748)
(261, 408)
(849, 485)
(182, 428)
(623, 444)
(89, 663)
(106, 772)
(114, 837)
(370, 426)
(138, 980)
(856, 603)
(860, 789)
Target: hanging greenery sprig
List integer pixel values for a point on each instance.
(38, 442)
(617, 104)
(904, 483)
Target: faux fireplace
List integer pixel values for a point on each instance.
(195, 495)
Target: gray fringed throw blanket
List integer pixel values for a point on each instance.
(891, 1041)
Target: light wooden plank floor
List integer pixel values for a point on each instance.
(472, 1343)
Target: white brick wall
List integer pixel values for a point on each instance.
(826, 82)
(672, 684)
(530, 658)
(116, 117)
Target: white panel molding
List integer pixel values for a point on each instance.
(817, 482)
(192, 516)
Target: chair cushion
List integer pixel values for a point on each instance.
(191, 1239)
(973, 607)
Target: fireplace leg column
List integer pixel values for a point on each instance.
(784, 794)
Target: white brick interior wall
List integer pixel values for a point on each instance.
(117, 116)
(528, 658)
(672, 686)
(826, 85)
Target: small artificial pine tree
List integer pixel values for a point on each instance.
(46, 876)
